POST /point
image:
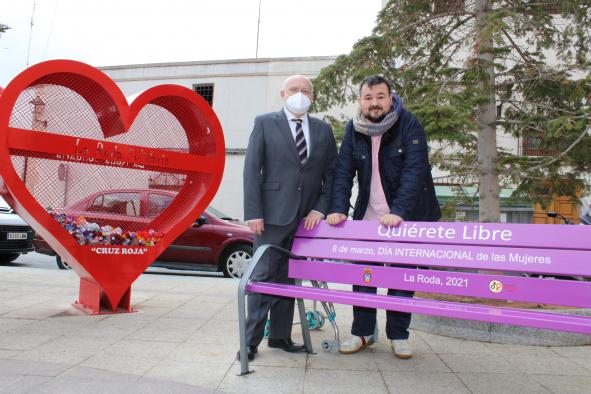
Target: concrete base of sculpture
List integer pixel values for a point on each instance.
(500, 333)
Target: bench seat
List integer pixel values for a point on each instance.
(490, 314)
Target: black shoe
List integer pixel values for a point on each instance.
(286, 344)
(250, 352)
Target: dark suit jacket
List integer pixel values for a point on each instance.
(276, 186)
(404, 171)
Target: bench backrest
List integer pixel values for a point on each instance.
(508, 250)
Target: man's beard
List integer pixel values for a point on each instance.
(375, 119)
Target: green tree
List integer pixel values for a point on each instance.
(476, 70)
(3, 28)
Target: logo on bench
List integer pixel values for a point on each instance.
(367, 275)
(495, 286)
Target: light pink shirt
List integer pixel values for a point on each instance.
(378, 205)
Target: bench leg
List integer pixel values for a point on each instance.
(327, 346)
(242, 306)
(304, 322)
(242, 329)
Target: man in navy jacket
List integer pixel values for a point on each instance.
(385, 146)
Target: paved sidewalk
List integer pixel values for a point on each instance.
(183, 339)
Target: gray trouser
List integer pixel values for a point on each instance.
(273, 267)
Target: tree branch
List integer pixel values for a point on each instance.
(523, 55)
(437, 16)
(514, 103)
(519, 122)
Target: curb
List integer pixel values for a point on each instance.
(500, 333)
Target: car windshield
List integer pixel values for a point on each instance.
(218, 214)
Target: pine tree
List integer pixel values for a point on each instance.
(474, 70)
(3, 28)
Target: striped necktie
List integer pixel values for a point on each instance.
(300, 141)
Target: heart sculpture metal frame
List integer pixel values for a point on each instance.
(107, 271)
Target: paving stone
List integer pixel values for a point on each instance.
(572, 351)
(510, 350)
(63, 350)
(564, 384)
(447, 345)
(477, 363)
(35, 368)
(15, 384)
(584, 362)
(168, 329)
(426, 362)
(418, 344)
(270, 357)
(22, 341)
(364, 360)
(500, 383)
(157, 386)
(9, 324)
(333, 381)
(119, 363)
(264, 380)
(204, 352)
(421, 382)
(547, 365)
(202, 374)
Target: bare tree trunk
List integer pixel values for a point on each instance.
(487, 137)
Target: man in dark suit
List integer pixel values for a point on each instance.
(287, 177)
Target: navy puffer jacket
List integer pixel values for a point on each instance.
(404, 170)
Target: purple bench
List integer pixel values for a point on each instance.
(548, 264)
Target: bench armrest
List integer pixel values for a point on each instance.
(255, 260)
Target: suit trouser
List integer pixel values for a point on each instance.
(273, 267)
(364, 319)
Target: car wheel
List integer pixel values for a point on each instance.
(235, 260)
(8, 257)
(62, 264)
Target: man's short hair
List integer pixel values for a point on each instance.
(373, 80)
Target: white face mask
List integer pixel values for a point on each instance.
(298, 103)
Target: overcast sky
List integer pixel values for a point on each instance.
(114, 32)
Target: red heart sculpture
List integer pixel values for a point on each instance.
(65, 114)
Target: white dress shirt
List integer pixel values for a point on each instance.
(305, 127)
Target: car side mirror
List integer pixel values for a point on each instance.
(201, 220)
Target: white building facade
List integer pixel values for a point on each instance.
(238, 90)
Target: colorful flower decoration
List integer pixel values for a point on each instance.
(89, 233)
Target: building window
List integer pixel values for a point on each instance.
(531, 145)
(446, 6)
(549, 6)
(205, 90)
(167, 181)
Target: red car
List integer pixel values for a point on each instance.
(214, 242)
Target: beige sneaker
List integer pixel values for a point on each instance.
(401, 348)
(356, 344)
